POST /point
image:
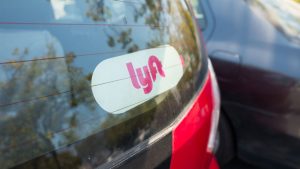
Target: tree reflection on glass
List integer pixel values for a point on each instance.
(47, 108)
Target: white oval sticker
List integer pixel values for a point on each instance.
(124, 82)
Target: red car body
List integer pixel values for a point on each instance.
(191, 135)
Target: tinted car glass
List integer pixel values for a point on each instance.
(284, 15)
(49, 49)
(199, 14)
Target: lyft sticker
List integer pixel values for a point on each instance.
(124, 82)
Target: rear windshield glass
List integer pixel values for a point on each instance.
(199, 14)
(49, 49)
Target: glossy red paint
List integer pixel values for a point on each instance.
(213, 164)
(190, 136)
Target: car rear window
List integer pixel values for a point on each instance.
(49, 49)
(199, 14)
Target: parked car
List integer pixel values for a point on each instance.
(104, 84)
(255, 50)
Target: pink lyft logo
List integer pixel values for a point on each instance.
(138, 79)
